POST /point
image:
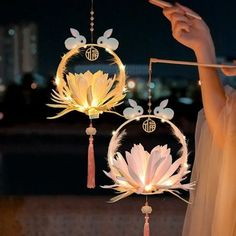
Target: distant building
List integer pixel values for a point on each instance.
(18, 51)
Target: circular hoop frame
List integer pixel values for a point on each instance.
(178, 134)
(121, 78)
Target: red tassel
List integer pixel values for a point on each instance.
(146, 230)
(91, 164)
(146, 210)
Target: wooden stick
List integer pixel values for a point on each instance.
(163, 4)
(188, 63)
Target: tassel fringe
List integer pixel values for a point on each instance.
(91, 160)
(147, 210)
(91, 164)
(146, 229)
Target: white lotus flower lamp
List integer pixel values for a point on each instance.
(148, 173)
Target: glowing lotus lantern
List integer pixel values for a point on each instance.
(91, 93)
(142, 172)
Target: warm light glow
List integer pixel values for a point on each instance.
(185, 165)
(122, 67)
(94, 103)
(146, 173)
(168, 183)
(2, 88)
(113, 132)
(109, 50)
(131, 84)
(148, 188)
(34, 85)
(1, 115)
(90, 98)
(57, 81)
(199, 83)
(163, 120)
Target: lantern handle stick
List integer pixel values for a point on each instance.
(187, 63)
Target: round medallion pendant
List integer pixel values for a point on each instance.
(149, 125)
(92, 54)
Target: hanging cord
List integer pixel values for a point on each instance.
(150, 88)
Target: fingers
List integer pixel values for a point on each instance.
(169, 11)
(179, 29)
(228, 71)
(188, 10)
(177, 19)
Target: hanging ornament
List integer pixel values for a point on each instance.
(91, 93)
(147, 210)
(142, 172)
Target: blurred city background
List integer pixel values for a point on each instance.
(49, 157)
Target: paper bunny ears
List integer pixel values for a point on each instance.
(136, 110)
(80, 40)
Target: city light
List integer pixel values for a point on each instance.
(34, 85)
(1, 115)
(11, 32)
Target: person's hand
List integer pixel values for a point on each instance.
(187, 30)
(229, 71)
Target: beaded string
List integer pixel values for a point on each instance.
(91, 21)
(149, 88)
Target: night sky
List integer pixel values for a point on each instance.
(140, 27)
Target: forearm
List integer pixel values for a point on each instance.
(213, 95)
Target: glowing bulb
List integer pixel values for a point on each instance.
(57, 81)
(122, 67)
(138, 118)
(94, 103)
(113, 132)
(131, 84)
(148, 188)
(185, 165)
(109, 50)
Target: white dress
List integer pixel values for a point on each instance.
(213, 208)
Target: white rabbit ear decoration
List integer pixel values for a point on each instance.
(108, 42)
(76, 41)
(132, 111)
(79, 40)
(161, 110)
